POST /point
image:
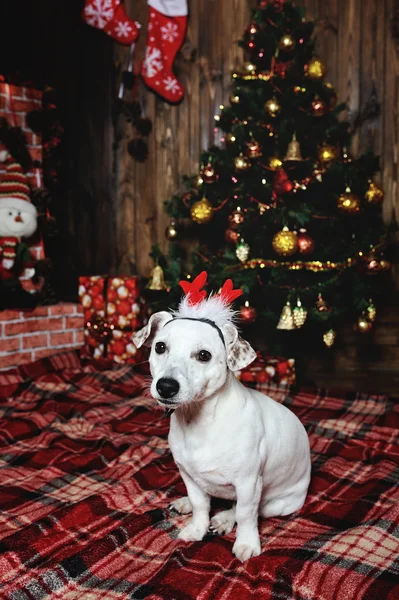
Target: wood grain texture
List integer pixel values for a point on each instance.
(356, 43)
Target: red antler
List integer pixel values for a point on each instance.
(193, 289)
(227, 293)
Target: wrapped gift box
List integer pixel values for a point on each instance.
(268, 369)
(113, 310)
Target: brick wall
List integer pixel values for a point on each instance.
(15, 103)
(28, 336)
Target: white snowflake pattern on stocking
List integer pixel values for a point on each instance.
(99, 13)
(152, 62)
(169, 32)
(122, 29)
(171, 85)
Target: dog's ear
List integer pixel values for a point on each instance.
(144, 336)
(240, 353)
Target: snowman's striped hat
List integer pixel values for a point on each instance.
(14, 189)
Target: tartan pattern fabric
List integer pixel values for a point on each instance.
(87, 477)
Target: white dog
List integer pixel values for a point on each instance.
(228, 441)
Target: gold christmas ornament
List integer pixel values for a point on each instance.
(242, 251)
(315, 69)
(348, 202)
(253, 149)
(242, 163)
(275, 163)
(328, 153)
(286, 321)
(272, 107)
(285, 242)
(329, 338)
(375, 193)
(363, 324)
(293, 151)
(236, 218)
(201, 211)
(157, 280)
(171, 231)
(299, 314)
(230, 138)
(287, 43)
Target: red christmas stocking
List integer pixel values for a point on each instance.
(110, 16)
(166, 31)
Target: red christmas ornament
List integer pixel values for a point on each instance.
(231, 236)
(209, 174)
(305, 242)
(281, 183)
(247, 313)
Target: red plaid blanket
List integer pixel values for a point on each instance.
(86, 479)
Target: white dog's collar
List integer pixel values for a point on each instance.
(203, 320)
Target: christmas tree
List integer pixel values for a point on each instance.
(282, 207)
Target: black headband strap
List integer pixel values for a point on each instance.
(208, 321)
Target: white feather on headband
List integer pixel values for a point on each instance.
(195, 305)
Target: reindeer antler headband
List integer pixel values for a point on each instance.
(195, 294)
(214, 310)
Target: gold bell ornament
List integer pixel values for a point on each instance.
(293, 151)
(286, 321)
(201, 211)
(329, 338)
(321, 304)
(157, 280)
(299, 314)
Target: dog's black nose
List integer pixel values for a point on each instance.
(167, 387)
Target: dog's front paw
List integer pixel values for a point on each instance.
(192, 533)
(182, 505)
(244, 550)
(223, 522)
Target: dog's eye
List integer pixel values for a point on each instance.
(204, 356)
(160, 347)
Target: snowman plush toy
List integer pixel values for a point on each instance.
(18, 220)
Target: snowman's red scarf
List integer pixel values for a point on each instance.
(8, 247)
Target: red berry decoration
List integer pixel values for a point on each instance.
(305, 242)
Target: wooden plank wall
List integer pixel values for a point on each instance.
(363, 65)
(362, 57)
